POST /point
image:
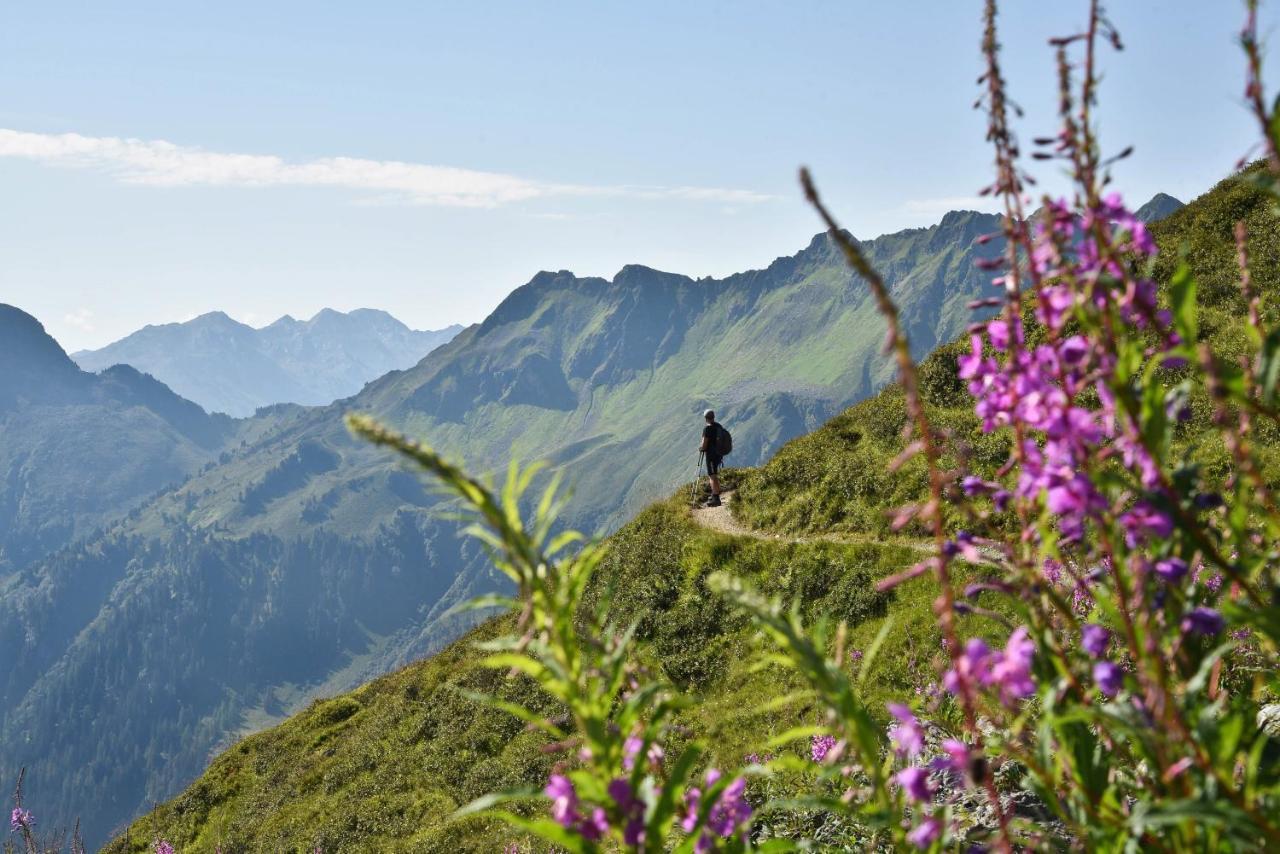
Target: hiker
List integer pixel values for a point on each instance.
(716, 443)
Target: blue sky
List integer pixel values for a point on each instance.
(265, 158)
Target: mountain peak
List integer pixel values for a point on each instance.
(1160, 206)
(24, 342)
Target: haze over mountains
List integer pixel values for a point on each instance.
(295, 561)
(228, 366)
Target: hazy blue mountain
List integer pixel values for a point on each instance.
(306, 562)
(1160, 206)
(78, 449)
(227, 366)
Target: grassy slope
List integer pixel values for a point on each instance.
(381, 768)
(412, 748)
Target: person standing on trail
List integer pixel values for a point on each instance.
(716, 443)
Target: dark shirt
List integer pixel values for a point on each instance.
(711, 433)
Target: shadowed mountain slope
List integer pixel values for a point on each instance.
(78, 449)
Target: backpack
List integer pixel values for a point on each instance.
(724, 442)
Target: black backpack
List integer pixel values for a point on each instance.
(724, 442)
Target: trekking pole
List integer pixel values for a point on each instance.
(697, 478)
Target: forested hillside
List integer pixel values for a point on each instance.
(61, 428)
(411, 747)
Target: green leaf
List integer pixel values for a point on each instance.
(1269, 366)
(1182, 298)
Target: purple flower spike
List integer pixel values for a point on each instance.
(20, 819)
(1109, 676)
(162, 847)
(1143, 523)
(908, 735)
(1012, 673)
(1203, 621)
(631, 808)
(915, 782)
(971, 667)
(729, 813)
(925, 833)
(956, 757)
(1095, 640)
(820, 746)
(564, 800)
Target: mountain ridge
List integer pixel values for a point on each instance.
(229, 366)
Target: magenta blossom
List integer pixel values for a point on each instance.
(1203, 621)
(630, 808)
(1011, 672)
(564, 809)
(925, 833)
(21, 819)
(1171, 569)
(1095, 639)
(1109, 677)
(632, 747)
(729, 814)
(160, 846)
(955, 757)
(908, 735)
(915, 782)
(820, 746)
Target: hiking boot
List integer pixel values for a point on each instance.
(714, 501)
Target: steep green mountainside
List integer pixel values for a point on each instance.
(227, 366)
(383, 767)
(295, 566)
(78, 450)
(410, 747)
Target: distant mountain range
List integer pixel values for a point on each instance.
(299, 562)
(227, 366)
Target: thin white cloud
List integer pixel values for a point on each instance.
(81, 319)
(164, 164)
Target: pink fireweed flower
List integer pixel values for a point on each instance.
(564, 809)
(21, 819)
(1109, 678)
(1094, 639)
(955, 757)
(820, 746)
(915, 783)
(1012, 671)
(925, 833)
(630, 808)
(1171, 569)
(907, 736)
(970, 667)
(160, 846)
(631, 749)
(1144, 522)
(1202, 621)
(729, 814)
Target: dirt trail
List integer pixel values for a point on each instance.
(721, 520)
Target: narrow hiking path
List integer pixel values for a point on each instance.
(721, 520)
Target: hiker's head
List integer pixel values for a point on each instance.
(710, 415)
